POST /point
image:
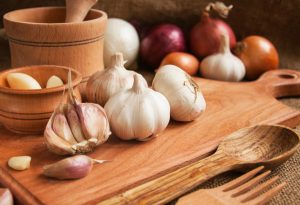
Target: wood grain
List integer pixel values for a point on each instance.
(265, 145)
(231, 106)
(28, 111)
(240, 191)
(39, 36)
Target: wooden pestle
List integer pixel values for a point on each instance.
(78, 9)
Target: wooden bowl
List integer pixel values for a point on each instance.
(28, 111)
(39, 36)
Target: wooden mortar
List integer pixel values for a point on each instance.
(39, 36)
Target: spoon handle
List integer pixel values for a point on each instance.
(174, 184)
(78, 9)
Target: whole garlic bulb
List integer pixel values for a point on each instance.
(103, 84)
(138, 113)
(75, 127)
(183, 94)
(223, 65)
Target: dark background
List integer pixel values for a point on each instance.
(278, 20)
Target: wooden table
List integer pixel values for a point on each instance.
(289, 172)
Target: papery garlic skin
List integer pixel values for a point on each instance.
(74, 167)
(92, 128)
(76, 128)
(138, 113)
(185, 98)
(6, 197)
(103, 84)
(223, 65)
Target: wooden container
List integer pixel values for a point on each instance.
(28, 111)
(38, 36)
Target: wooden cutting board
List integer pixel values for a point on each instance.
(230, 106)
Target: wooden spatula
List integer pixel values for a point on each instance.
(242, 190)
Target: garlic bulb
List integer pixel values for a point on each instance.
(138, 113)
(76, 127)
(103, 84)
(183, 94)
(223, 65)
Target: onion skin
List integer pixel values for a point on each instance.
(258, 55)
(160, 41)
(205, 36)
(185, 61)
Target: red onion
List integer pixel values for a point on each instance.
(160, 41)
(205, 36)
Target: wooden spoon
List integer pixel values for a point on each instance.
(267, 145)
(78, 9)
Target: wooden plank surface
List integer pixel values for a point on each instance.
(230, 106)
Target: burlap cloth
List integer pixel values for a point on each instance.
(278, 20)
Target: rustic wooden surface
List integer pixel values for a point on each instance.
(258, 17)
(249, 147)
(231, 106)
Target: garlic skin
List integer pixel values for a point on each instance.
(104, 84)
(74, 167)
(76, 128)
(183, 94)
(6, 197)
(138, 113)
(223, 65)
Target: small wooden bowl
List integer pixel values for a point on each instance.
(28, 111)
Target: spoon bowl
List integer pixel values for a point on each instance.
(266, 145)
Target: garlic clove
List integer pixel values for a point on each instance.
(19, 163)
(74, 122)
(93, 120)
(61, 128)
(55, 143)
(54, 81)
(22, 81)
(69, 168)
(6, 197)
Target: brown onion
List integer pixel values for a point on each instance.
(160, 41)
(185, 61)
(258, 54)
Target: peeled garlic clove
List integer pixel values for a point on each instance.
(70, 168)
(54, 81)
(19, 163)
(6, 197)
(74, 122)
(93, 121)
(183, 94)
(55, 143)
(22, 81)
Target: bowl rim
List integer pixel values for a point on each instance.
(6, 17)
(75, 82)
